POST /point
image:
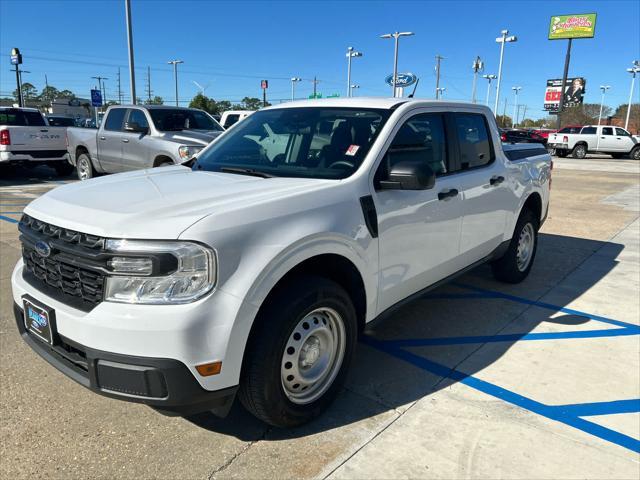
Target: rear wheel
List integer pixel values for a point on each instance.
(516, 263)
(85, 167)
(580, 151)
(299, 352)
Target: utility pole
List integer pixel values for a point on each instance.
(149, 84)
(132, 73)
(16, 59)
(315, 85)
(119, 88)
(478, 65)
(567, 59)
(438, 58)
(20, 89)
(175, 75)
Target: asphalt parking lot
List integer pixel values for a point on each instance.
(477, 379)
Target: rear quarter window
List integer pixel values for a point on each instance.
(476, 149)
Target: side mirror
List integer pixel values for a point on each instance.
(135, 127)
(409, 175)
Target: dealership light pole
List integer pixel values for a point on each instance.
(353, 87)
(477, 66)
(635, 69)
(396, 36)
(175, 75)
(514, 120)
(489, 78)
(294, 80)
(604, 89)
(132, 74)
(440, 92)
(351, 53)
(502, 40)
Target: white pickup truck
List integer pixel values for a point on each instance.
(27, 139)
(254, 271)
(615, 141)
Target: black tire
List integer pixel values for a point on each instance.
(561, 153)
(579, 151)
(63, 169)
(507, 269)
(84, 167)
(635, 153)
(262, 389)
(617, 155)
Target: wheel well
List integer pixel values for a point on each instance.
(534, 204)
(581, 143)
(160, 159)
(338, 269)
(80, 150)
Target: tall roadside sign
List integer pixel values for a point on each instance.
(561, 27)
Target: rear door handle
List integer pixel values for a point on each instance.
(496, 180)
(443, 195)
(125, 140)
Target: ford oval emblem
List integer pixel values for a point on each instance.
(403, 79)
(43, 249)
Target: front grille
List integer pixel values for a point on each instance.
(42, 153)
(74, 270)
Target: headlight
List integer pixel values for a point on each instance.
(155, 273)
(187, 152)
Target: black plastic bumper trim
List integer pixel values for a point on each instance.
(175, 389)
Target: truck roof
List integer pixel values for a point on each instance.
(156, 107)
(369, 102)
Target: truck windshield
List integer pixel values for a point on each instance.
(173, 120)
(312, 142)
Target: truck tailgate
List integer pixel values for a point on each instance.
(35, 138)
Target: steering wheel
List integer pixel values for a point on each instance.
(341, 164)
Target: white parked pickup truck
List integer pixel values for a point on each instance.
(615, 141)
(254, 271)
(27, 139)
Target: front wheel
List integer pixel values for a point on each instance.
(85, 167)
(635, 153)
(516, 263)
(580, 151)
(299, 352)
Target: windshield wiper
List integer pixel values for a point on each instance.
(246, 171)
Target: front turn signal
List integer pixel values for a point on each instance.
(208, 369)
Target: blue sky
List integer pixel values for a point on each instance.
(229, 46)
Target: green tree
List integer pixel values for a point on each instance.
(48, 95)
(504, 121)
(585, 114)
(251, 103)
(155, 101)
(634, 116)
(66, 94)
(203, 102)
(29, 92)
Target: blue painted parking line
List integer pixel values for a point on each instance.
(567, 414)
(8, 219)
(601, 408)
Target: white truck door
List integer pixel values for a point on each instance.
(486, 196)
(419, 230)
(110, 140)
(624, 140)
(607, 140)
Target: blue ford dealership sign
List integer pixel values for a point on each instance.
(404, 80)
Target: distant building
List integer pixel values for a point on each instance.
(71, 107)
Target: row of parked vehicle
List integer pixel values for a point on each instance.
(128, 138)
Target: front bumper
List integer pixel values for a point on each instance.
(166, 385)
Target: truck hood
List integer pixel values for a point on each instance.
(158, 203)
(191, 137)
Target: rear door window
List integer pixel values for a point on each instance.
(115, 119)
(476, 149)
(607, 131)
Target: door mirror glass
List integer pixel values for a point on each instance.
(409, 175)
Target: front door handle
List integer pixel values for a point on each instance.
(103, 138)
(125, 140)
(496, 180)
(443, 195)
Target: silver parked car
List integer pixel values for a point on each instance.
(140, 136)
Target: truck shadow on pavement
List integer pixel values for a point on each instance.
(453, 329)
(17, 176)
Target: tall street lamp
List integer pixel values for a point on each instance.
(350, 54)
(514, 120)
(603, 88)
(294, 80)
(175, 75)
(440, 91)
(396, 36)
(635, 69)
(477, 66)
(489, 78)
(353, 87)
(502, 40)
